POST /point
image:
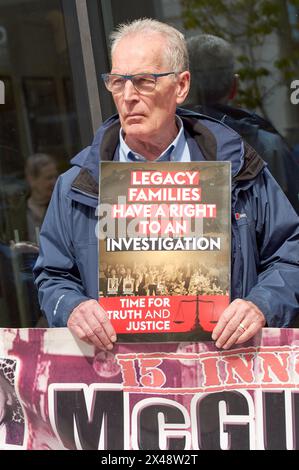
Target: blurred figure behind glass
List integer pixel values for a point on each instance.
(41, 174)
(23, 209)
(21, 216)
(214, 85)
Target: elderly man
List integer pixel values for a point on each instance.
(149, 78)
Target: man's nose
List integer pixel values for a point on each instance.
(129, 91)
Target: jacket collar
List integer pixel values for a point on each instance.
(246, 163)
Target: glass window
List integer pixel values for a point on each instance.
(265, 39)
(264, 36)
(39, 134)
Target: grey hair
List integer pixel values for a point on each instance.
(212, 68)
(175, 52)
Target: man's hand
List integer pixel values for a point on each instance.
(89, 322)
(238, 323)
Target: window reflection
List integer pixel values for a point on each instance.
(38, 136)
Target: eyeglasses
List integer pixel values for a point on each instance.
(143, 82)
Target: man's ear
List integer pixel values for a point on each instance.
(183, 86)
(234, 88)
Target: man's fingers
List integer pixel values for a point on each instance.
(239, 335)
(99, 330)
(96, 337)
(81, 334)
(243, 336)
(223, 321)
(240, 321)
(107, 325)
(102, 328)
(250, 331)
(230, 332)
(91, 324)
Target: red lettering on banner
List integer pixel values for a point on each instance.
(210, 371)
(255, 368)
(151, 376)
(240, 366)
(278, 364)
(296, 364)
(128, 372)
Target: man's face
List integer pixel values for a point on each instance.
(44, 183)
(146, 117)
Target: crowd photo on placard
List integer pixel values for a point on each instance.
(144, 279)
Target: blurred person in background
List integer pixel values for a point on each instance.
(214, 85)
(41, 174)
(23, 208)
(22, 213)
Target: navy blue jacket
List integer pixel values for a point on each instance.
(266, 140)
(265, 239)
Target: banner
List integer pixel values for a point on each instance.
(59, 393)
